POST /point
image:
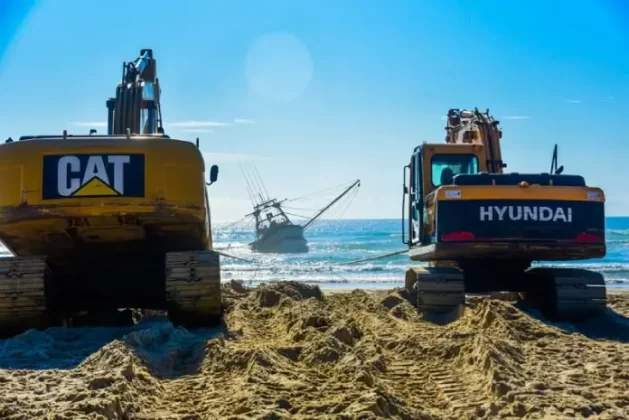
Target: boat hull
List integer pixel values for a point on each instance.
(283, 240)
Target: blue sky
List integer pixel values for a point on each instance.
(319, 93)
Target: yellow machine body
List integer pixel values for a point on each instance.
(465, 198)
(60, 197)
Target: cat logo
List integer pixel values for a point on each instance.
(85, 175)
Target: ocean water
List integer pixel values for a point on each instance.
(333, 242)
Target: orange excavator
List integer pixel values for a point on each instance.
(478, 229)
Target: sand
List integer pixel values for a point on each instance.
(291, 351)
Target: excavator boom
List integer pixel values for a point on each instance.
(475, 127)
(136, 106)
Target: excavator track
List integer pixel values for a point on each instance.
(22, 294)
(567, 293)
(439, 290)
(193, 288)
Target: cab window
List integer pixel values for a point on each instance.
(444, 167)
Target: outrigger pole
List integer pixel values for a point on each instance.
(357, 182)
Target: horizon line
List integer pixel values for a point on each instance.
(373, 218)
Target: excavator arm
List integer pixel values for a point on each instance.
(475, 127)
(136, 106)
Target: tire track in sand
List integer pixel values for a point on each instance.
(291, 352)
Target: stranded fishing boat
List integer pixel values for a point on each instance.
(275, 232)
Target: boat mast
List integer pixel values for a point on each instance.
(316, 216)
(255, 186)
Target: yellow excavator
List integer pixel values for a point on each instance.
(99, 222)
(479, 229)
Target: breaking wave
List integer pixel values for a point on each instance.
(333, 243)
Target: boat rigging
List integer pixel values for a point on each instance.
(275, 231)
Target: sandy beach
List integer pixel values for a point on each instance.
(292, 351)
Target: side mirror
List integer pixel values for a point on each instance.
(559, 170)
(213, 175)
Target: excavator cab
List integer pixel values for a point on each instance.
(433, 166)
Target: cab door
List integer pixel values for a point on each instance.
(416, 199)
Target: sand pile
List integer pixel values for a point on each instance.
(290, 351)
